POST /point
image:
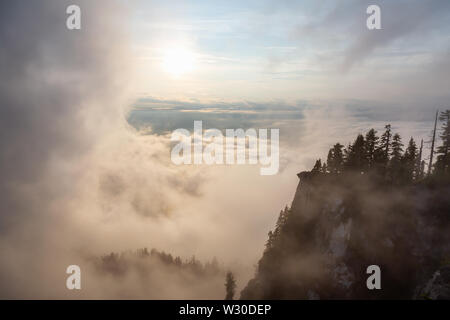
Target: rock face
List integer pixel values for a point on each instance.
(339, 225)
(438, 287)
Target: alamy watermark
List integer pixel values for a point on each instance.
(236, 147)
(373, 22)
(74, 280)
(374, 280)
(73, 21)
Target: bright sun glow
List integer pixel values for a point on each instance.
(178, 61)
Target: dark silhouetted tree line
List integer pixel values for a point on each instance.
(274, 236)
(386, 157)
(371, 201)
(119, 264)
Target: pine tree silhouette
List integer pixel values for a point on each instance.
(335, 159)
(410, 172)
(356, 155)
(371, 144)
(395, 163)
(230, 286)
(443, 158)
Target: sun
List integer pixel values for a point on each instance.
(178, 61)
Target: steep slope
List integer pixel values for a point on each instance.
(339, 224)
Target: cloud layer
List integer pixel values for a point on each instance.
(78, 181)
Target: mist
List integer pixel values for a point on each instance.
(79, 181)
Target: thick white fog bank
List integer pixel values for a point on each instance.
(77, 181)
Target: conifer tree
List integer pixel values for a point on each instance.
(278, 225)
(382, 152)
(385, 144)
(335, 159)
(371, 144)
(230, 286)
(330, 159)
(443, 157)
(356, 155)
(396, 158)
(409, 162)
(317, 166)
(270, 240)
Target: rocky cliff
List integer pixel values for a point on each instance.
(339, 224)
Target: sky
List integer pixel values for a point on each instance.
(86, 116)
(290, 50)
